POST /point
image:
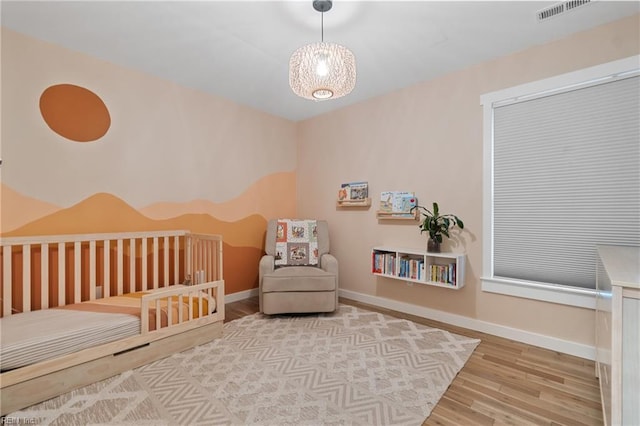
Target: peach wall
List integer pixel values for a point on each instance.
(170, 158)
(428, 138)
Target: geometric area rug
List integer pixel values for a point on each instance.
(350, 367)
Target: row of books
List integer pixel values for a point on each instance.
(384, 263)
(415, 269)
(445, 274)
(412, 268)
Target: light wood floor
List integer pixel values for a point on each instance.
(504, 382)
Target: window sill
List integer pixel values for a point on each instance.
(583, 298)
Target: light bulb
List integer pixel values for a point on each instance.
(322, 67)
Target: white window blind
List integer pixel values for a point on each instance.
(566, 170)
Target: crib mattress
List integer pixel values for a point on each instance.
(31, 337)
(35, 336)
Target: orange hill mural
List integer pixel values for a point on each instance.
(272, 196)
(106, 213)
(243, 239)
(17, 209)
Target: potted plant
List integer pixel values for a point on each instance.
(436, 225)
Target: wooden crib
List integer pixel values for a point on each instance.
(175, 276)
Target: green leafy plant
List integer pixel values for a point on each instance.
(437, 224)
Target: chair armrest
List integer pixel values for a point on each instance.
(267, 265)
(329, 263)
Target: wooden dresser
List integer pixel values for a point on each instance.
(618, 333)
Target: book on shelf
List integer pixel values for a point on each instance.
(386, 202)
(403, 202)
(359, 190)
(397, 203)
(353, 191)
(344, 193)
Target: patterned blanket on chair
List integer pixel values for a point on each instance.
(296, 242)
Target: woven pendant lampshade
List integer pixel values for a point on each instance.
(322, 70)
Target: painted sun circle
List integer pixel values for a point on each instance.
(74, 112)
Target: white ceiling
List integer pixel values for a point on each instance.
(240, 49)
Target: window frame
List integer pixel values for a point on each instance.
(566, 295)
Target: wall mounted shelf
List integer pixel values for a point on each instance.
(366, 202)
(419, 266)
(382, 215)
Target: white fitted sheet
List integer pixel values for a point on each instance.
(31, 337)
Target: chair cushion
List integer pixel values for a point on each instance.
(296, 242)
(322, 230)
(299, 278)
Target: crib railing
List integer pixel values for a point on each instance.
(203, 257)
(182, 304)
(47, 271)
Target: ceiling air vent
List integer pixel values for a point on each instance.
(559, 8)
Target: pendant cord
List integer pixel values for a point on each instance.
(322, 26)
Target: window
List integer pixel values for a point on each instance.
(562, 174)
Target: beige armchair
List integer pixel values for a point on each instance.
(295, 288)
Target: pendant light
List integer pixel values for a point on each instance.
(323, 70)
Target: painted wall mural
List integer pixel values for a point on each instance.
(160, 156)
(74, 112)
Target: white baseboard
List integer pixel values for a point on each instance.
(547, 342)
(241, 295)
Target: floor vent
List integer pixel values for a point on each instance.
(559, 8)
